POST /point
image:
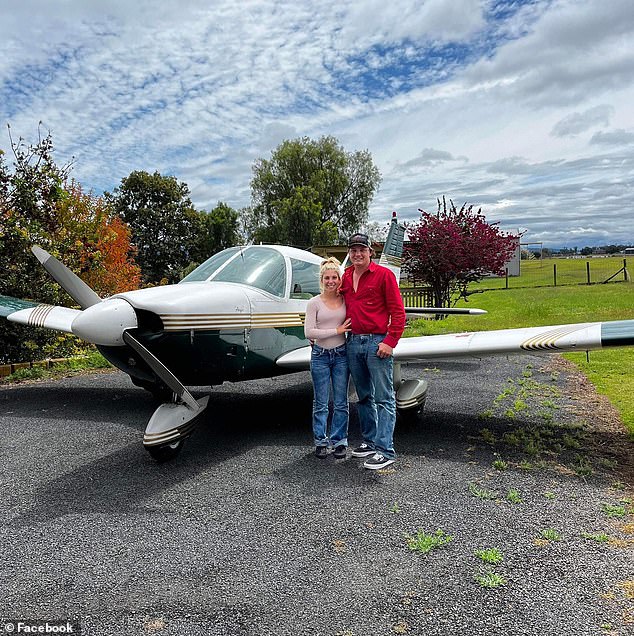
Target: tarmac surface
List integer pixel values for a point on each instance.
(247, 533)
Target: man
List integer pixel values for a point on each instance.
(375, 307)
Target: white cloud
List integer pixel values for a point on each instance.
(576, 123)
(497, 113)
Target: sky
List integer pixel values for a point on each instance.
(524, 108)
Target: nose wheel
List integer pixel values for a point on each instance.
(166, 452)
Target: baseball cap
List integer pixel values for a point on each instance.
(359, 239)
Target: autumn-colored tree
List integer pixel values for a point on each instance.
(95, 243)
(452, 248)
(38, 207)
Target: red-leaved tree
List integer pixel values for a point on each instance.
(452, 248)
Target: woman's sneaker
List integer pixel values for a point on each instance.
(340, 452)
(377, 461)
(363, 451)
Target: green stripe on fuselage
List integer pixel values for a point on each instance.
(209, 357)
(619, 333)
(9, 305)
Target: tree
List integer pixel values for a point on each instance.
(95, 243)
(38, 207)
(163, 221)
(452, 248)
(217, 230)
(310, 192)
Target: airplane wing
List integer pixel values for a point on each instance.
(37, 314)
(551, 339)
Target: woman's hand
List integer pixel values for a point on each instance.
(345, 327)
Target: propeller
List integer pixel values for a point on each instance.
(69, 281)
(109, 323)
(161, 371)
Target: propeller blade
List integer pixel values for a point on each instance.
(74, 286)
(161, 371)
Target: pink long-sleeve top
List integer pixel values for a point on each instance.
(321, 323)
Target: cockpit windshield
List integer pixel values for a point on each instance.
(204, 271)
(260, 267)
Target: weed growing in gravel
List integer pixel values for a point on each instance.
(547, 416)
(481, 493)
(608, 464)
(488, 436)
(395, 508)
(571, 441)
(514, 496)
(599, 538)
(613, 511)
(490, 579)
(500, 464)
(582, 466)
(550, 535)
(485, 415)
(490, 555)
(424, 543)
(550, 495)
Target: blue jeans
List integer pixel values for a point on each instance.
(373, 378)
(330, 366)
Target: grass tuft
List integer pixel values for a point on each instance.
(424, 543)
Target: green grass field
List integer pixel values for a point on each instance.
(563, 271)
(610, 370)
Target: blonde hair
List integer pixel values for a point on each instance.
(329, 263)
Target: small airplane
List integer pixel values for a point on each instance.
(240, 316)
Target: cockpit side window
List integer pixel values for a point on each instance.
(304, 279)
(204, 271)
(260, 267)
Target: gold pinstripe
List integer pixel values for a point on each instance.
(38, 316)
(181, 322)
(391, 260)
(547, 341)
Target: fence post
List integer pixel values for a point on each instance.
(625, 269)
(506, 269)
(588, 271)
(555, 274)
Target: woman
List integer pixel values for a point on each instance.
(325, 326)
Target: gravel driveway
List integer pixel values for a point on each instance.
(247, 533)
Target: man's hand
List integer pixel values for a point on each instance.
(384, 351)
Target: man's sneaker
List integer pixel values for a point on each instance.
(321, 452)
(340, 452)
(377, 461)
(363, 451)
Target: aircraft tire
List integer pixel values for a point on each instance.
(166, 452)
(409, 417)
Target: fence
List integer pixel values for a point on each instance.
(552, 272)
(417, 297)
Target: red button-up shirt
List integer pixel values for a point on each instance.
(376, 306)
